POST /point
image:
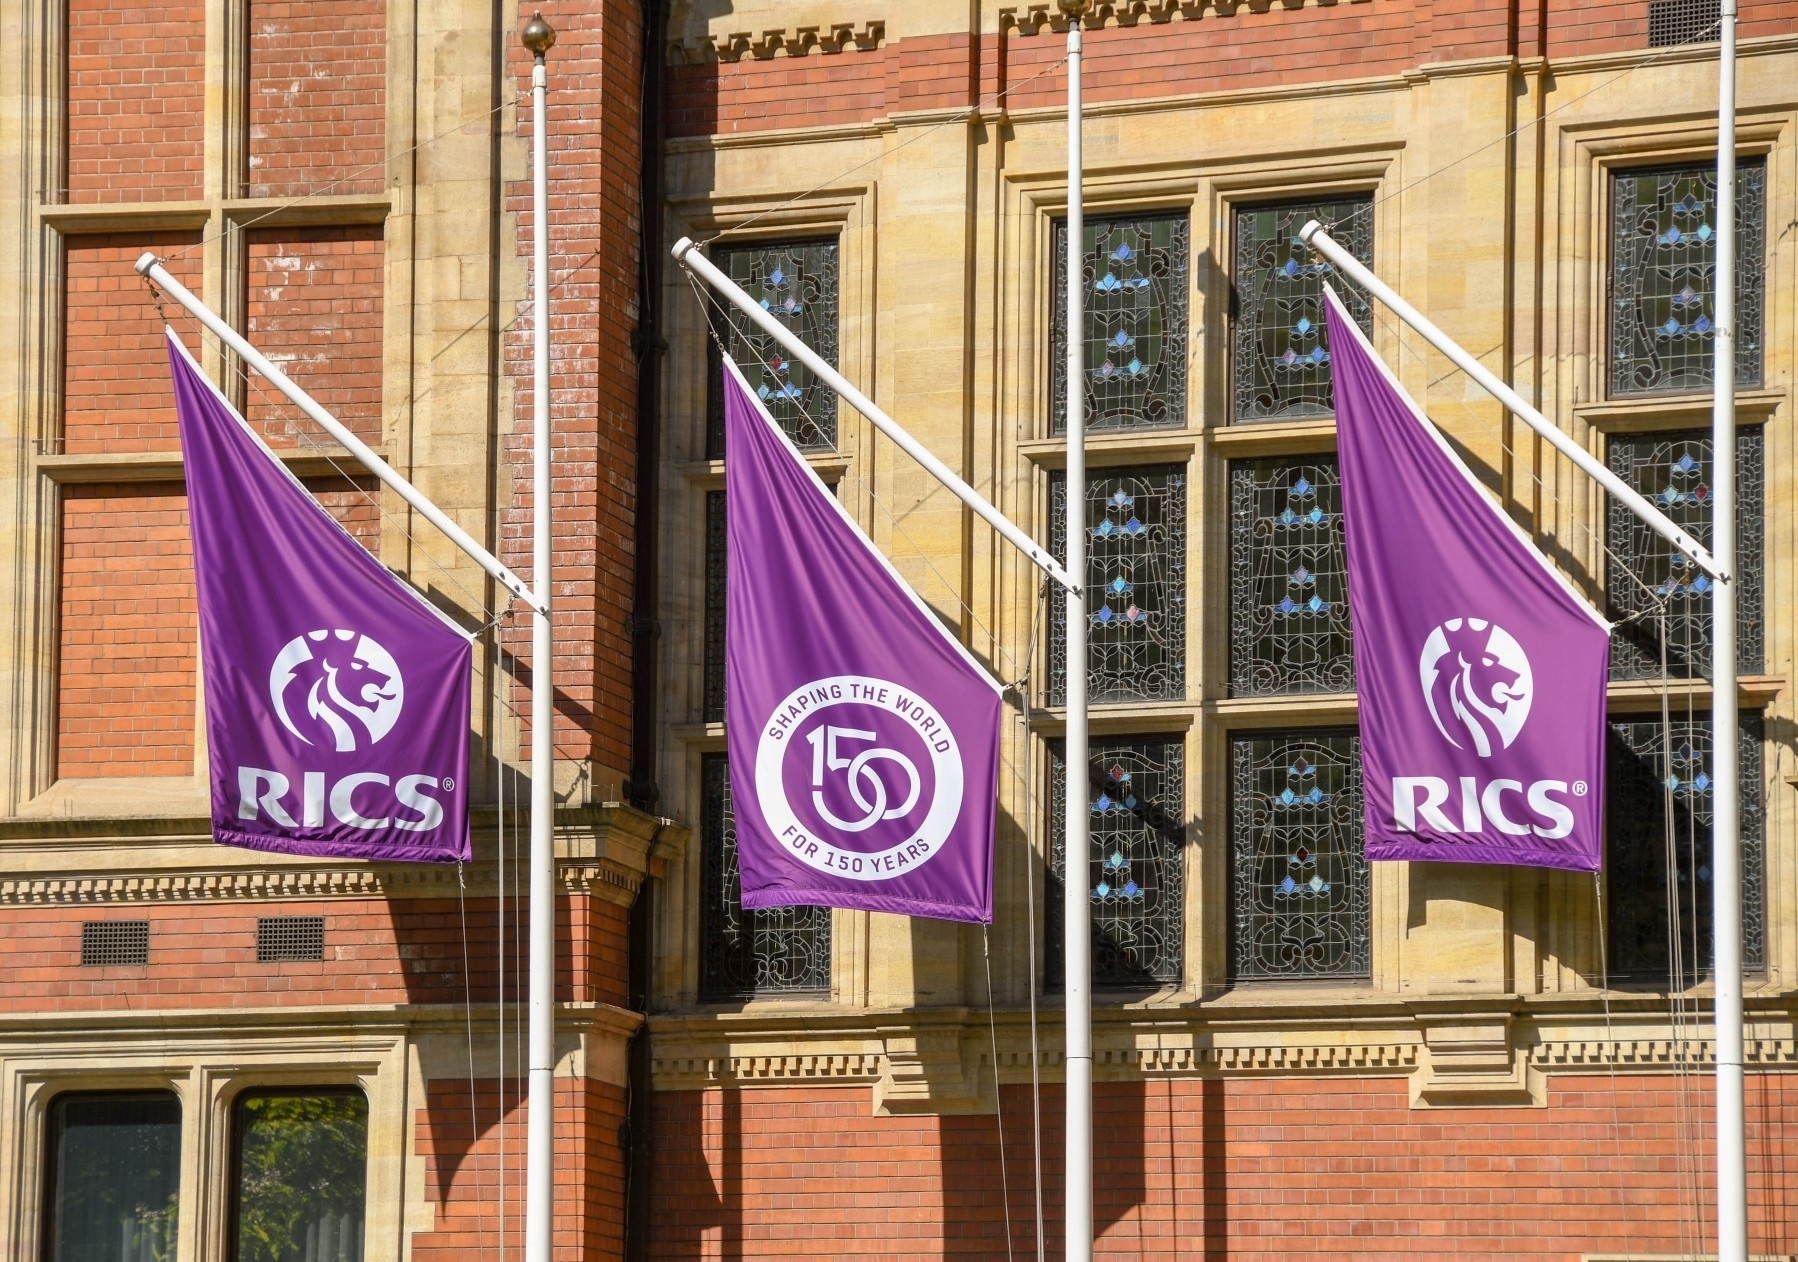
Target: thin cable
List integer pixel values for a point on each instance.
(356, 478)
(1610, 1034)
(474, 1116)
(500, 953)
(1681, 1014)
(1531, 122)
(958, 117)
(992, 1025)
(1398, 329)
(356, 173)
(708, 302)
(1028, 741)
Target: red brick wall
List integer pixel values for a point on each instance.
(318, 97)
(404, 950)
(1246, 1169)
(461, 1132)
(116, 393)
(136, 104)
(594, 154)
(129, 625)
(314, 308)
(1256, 46)
(129, 632)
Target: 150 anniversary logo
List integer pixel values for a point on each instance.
(858, 777)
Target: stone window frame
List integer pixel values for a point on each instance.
(1375, 175)
(1576, 341)
(691, 478)
(1207, 716)
(224, 216)
(206, 1081)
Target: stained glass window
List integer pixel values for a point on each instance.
(715, 565)
(1280, 366)
(1289, 618)
(1135, 584)
(1135, 860)
(1135, 274)
(1664, 277)
(1654, 592)
(113, 1178)
(796, 282)
(1300, 881)
(1649, 768)
(745, 954)
(301, 1176)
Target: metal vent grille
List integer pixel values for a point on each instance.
(283, 938)
(1672, 22)
(115, 942)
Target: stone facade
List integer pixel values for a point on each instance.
(1477, 1090)
(348, 184)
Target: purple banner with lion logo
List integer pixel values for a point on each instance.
(1481, 673)
(336, 698)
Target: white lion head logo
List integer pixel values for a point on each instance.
(1477, 682)
(336, 688)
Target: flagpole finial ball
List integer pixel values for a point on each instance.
(539, 36)
(1074, 8)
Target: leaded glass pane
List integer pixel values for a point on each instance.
(1656, 776)
(1300, 887)
(748, 954)
(1135, 274)
(1135, 584)
(1664, 277)
(715, 566)
(1289, 617)
(301, 1176)
(113, 1178)
(1654, 593)
(1279, 364)
(796, 282)
(1135, 860)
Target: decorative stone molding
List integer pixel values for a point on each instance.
(1386, 1058)
(1659, 1054)
(792, 41)
(672, 1073)
(1034, 19)
(927, 1071)
(1451, 1056)
(602, 851)
(1469, 1060)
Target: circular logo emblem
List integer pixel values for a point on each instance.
(1477, 683)
(858, 777)
(337, 689)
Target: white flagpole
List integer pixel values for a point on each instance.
(1076, 914)
(1313, 235)
(1726, 846)
(687, 253)
(539, 38)
(153, 271)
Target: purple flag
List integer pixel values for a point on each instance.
(1481, 672)
(336, 698)
(863, 737)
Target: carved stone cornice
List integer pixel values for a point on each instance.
(791, 41)
(602, 851)
(1453, 1053)
(1663, 1054)
(1035, 19)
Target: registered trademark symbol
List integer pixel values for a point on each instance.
(449, 785)
(1579, 789)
